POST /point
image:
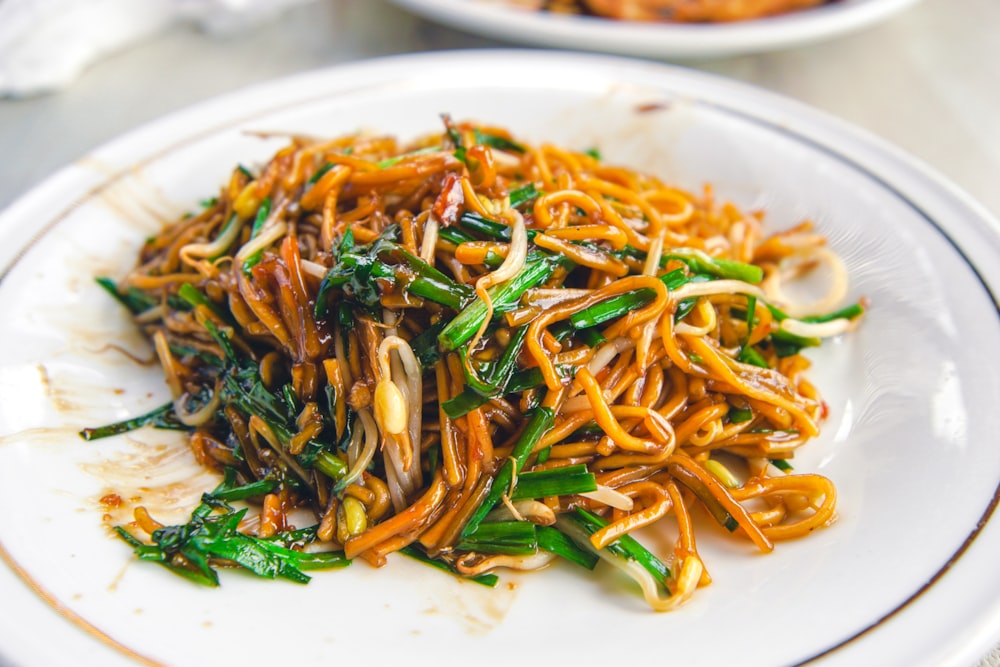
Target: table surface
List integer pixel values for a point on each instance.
(927, 80)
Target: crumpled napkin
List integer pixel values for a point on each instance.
(46, 44)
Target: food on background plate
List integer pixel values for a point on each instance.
(484, 354)
(680, 11)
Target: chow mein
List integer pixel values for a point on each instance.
(483, 354)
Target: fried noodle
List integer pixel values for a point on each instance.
(407, 339)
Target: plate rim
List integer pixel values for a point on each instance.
(656, 40)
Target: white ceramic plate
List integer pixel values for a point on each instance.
(910, 441)
(503, 20)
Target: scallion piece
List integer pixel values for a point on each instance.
(701, 262)
(782, 464)
(536, 270)
(554, 482)
(162, 417)
(541, 421)
(263, 211)
(488, 580)
(514, 538)
(523, 195)
(625, 547)
(555, 541)
(135, 300)
(740, 415)
(848, 313)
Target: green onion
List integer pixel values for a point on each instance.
(847, 313)
(555, 541)
(496, 141)
(388, 162)
(514, 538)
(259, 488)
(263, 211)
(554, 482)
(489, 580)
(536, 270)
(135, 300)
(195, 297)
(162, 417)
(523, 195)
(539, 423)
(700, 262)
(330, 465)
(740, 415)
(320, 173)
(749, 355)
(782, 464)
(621, 304)
(624, 547)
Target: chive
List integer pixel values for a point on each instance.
(520, 381)
(472, 381)
(740, 415)
(258, 488)
(330, 465)
(135, 300)
(196, 297)
(594, 153)
(424, 344)
(514, 538)
(786, 344)
(315, 560)
(206, 537)
(700, 262)
(749, 355)
(847, 313)
(429, 283)
(162, 417)
(320, 173)
(501, 373)
(456, 138)
(246, 172)
(489, 580)
(496, 141)
(592, 337)
(463, 403)
(782, 464)
(491, 229)
(523, 195)
(388, 162)
(539, 423)
(263, 211)
(454, 235)
(467, 322)
(612, 308)
(555, 482)
(356, 268)
(555, 541)
(624, 547)
(621, 304)
(544, 454)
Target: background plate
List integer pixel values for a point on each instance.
(913, 395)
(500, 19)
